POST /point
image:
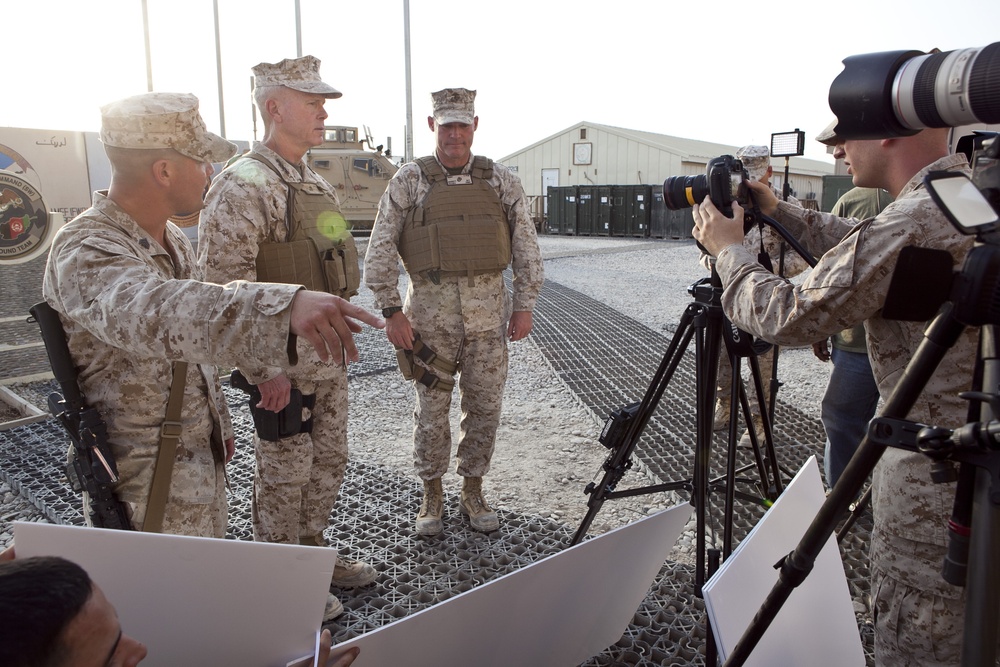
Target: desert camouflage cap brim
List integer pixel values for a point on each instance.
(454, 105)
(828, 136)
(300, 74)
(162, 120)
(209, 148)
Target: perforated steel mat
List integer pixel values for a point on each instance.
(608, 360)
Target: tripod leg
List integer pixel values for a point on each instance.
(737, 398)
(707, 370)
(770, 481)
(620, 458)
(979, 641)
(982, 608)
(707, 349)
(855, 513)
(773, 382)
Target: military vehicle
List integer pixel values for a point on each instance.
(359, 173)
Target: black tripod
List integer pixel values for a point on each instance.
(976, 446)
(703, 321)
(621, 433)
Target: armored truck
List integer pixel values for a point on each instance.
(357, 169)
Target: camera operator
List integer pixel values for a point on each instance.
(851, 396)
(918, 616)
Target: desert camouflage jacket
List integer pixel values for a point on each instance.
(130, 311)
(848, 286)
(458, 303)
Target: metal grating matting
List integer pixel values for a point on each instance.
(373, 521)
(607, 359)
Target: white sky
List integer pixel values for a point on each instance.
(723, 71)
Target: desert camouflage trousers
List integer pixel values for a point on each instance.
(203, 514)
(914, 626)
(724, 379)
(298, 478)
(482, 373)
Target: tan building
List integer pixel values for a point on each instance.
(593, 154)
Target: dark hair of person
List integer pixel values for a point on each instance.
(38, 599)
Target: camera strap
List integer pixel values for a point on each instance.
(763, 258)
(738, 342)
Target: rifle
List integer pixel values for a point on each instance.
(92, 467)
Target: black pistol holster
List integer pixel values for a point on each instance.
(412, 371)
(273, 426)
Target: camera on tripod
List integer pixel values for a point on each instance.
(724, 181)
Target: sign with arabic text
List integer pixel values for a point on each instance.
(25, 229)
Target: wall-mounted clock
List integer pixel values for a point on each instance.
(581, 153)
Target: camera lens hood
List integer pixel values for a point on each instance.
(861, 96)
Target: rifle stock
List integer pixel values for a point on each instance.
(92, 467)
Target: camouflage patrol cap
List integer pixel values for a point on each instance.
(300, 74)
(828, 136)
(162, 120)
(756, 160)
(454, 105)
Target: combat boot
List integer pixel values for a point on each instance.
(350, 573)
(721, 419)
(333, 609)
(429, 519)
(347, 572)
(758, 427)
(481, 516)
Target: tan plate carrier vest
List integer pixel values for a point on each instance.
(459, 228)
(309, 257)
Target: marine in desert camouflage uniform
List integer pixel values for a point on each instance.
(297, 477)
(851, 397)
(466, 319)
(119, 274)
(918, 616)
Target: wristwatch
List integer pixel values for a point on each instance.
(388, 312)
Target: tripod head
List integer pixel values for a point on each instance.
(707, 292)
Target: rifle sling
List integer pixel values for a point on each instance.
(170, 433)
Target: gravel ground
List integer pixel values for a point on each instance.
(547, 447)
(649, 282)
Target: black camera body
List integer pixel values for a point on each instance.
(723, 182)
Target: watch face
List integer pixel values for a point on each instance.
(581, 153)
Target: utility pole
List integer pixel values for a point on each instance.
(408, 142)
(218, 69)
(145, 34)
(298, 29)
